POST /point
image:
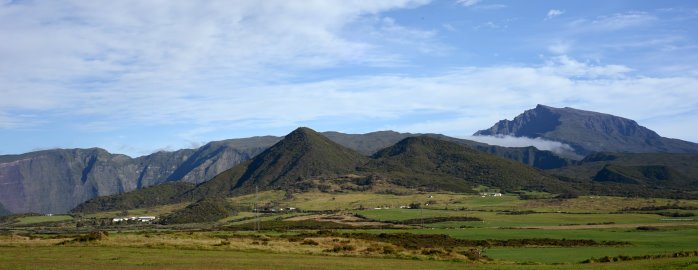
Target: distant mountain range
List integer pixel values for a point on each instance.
(55, 181)
(588, 132)
(306, 160)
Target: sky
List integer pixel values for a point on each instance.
(135, 77)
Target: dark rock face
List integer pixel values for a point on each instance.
(588, 132)
(531, 123)
(55, 181)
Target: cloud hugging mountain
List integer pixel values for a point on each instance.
(587, 131)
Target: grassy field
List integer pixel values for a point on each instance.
(125, 257)
(41, 219)
(47, 242)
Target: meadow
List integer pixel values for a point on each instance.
(505, 232)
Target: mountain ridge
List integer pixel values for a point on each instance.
(306, 160)
(28, 187)
(587, 131)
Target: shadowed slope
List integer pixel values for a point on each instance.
(4, 211)
(436, 164)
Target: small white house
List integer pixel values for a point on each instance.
(146, 219)
(141, 219)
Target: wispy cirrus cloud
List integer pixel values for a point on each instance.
(554, 13)
(468, 3)
(614, 22)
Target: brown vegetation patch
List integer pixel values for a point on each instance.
(601, 226)
(344, 219)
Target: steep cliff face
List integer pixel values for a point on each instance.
(55, 181)
(218, 156)
(588, 132)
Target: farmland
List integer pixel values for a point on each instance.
(333, 230)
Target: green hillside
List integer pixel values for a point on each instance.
(302, 155)
(654, 176)
(166, 193)
(204, 210)
(441, 165)
(687, 164)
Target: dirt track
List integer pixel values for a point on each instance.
(600, 226)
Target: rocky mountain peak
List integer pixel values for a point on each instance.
(587, 131)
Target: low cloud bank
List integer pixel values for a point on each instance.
(510, 141)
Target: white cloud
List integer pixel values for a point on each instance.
(510, 141)
(240, 65)
(614, 22)
(554, 13)
(560, 47)
(477, 4)
(62, 51)
(468, 3)
(474, 97)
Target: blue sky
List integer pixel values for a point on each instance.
(135, 77)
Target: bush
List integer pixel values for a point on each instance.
(310, 242)
(431, 252)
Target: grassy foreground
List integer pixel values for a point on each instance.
(158, 258)
(644, 234)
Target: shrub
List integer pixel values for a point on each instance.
(310, 242)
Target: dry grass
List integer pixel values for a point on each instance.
(600, 204)
(326, 246)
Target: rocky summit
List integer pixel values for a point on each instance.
(588, 132)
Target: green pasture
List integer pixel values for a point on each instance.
(150, 211)
(666, 240)
(501, 219)
(41, 219)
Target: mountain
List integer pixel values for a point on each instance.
(370, 143)
(426, 162)
(208, 209)
(55, 181)
(302, 155)
(684, 165)
(4, 211)
(654, 176)
(165, 193)
(306, 160)
(218, 156)
(588, 132)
